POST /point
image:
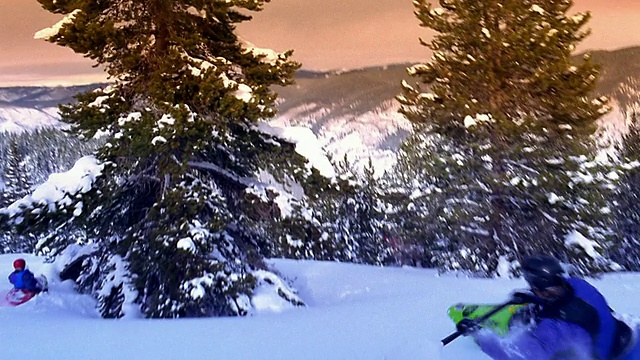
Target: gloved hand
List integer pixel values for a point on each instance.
(467, 326)
(520, 297)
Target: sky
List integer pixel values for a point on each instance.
(352, 312)
(324, 34)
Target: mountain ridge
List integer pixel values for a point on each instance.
(353, 112)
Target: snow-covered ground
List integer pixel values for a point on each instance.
(352, 312)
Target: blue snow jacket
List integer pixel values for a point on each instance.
(25, 280)
(579, 327)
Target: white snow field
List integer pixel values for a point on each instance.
(352, 312)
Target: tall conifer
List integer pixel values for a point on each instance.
(169, 220)
(504, 118)
(627, 199)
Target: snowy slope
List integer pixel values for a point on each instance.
(353, 312)
(27, 108)
(17, 119)
(353, 113)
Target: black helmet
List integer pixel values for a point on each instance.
(542, 271)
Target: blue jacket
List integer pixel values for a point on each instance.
(581, 327)
(25, 280)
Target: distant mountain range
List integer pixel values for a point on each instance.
(353, 113)
(28, 108)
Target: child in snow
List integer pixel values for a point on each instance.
(23, 279)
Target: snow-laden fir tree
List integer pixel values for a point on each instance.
(344, 224)
(411, 196)
(169, 221)
(627, 199)
(351, 217)
(366, 210)
(16, 173)
(503, 120)
(42, 152)
(17, 183)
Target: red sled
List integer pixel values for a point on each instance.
(17, 297)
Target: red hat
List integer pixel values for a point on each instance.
(19, 264)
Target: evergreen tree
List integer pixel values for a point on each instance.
(171, 216)
(52, 150)
(44, 151)
(353, 216)
(28, 159)
(16, 175)
(368, 217)
(4, 151)
(505, 123)
(344, 223)
(627, 201)
(17, 184)
(416, 204)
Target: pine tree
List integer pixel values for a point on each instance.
(16, 175)
(416, 203)
(17, 184)
(171, 217)
(505, 123)
(51, 150)
(627, 202)
(353, 217)
(342, 224)
(369, 217)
